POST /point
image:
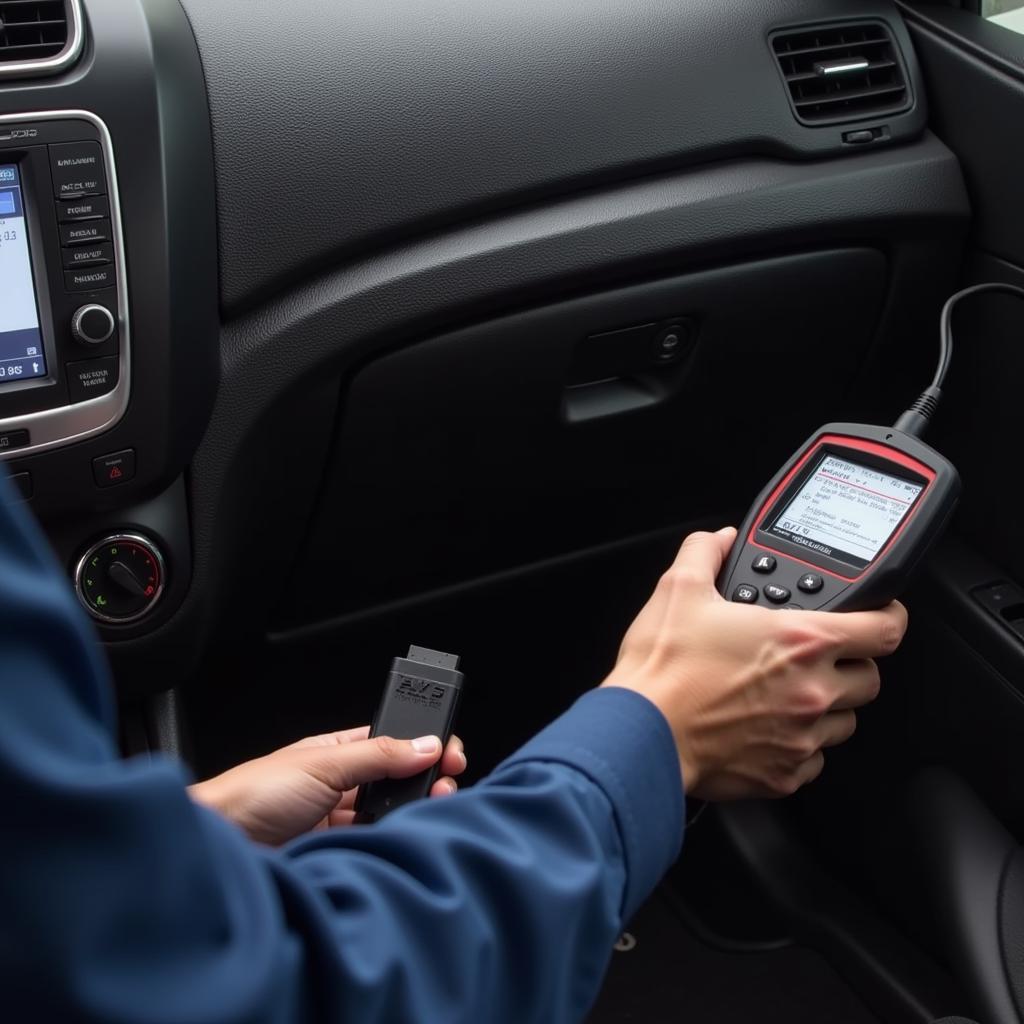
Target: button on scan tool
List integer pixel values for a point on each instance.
(745, 594)
(777, 594)
(810, 583)
(764, 564)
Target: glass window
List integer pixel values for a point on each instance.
(1008, 13)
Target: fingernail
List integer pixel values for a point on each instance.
(426, 745)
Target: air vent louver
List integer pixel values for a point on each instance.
(33, 31)
(842, 72)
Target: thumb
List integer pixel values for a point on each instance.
(353, 764)
(702, 554)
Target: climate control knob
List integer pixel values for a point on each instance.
(121, 578)
(92, 324)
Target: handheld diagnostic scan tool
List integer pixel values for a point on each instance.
(844, 523)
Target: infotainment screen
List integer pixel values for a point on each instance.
(21, 342)
(846, 511)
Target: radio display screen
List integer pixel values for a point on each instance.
(21, 341)
(846, 511)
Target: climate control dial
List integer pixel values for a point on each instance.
(121, 578)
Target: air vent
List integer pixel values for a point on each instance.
(38, 36)
(842, 72)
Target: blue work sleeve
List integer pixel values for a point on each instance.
(123, 902)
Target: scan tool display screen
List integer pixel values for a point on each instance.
(21, 343)
(846, 511)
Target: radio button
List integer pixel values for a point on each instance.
(89, 255)
(777, 594)
(83, 209)
(91, 378)
(83, 232)
(810, 583)
(89, 279)
(77, 169)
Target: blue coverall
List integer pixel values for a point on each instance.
(123, 902)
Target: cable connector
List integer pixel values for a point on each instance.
(916, 419)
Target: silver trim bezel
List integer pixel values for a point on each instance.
(53, 428)
(117, 538)
(51, 65)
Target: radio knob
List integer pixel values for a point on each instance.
(93, 325)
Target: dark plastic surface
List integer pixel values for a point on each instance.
(391, 118)
(969, 699)
(889, 973)
(968, 856)
(459, 457)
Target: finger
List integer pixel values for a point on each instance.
(702, 554)
(348, 765)
(870, 634)
(810, 769)
(348, 800)
(807, 771)
(859, 683)
(444, 787)
(331, 739)
(835, 728)
(453, 762)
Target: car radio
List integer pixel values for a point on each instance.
(64, 332)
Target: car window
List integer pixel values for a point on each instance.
(1008, 13)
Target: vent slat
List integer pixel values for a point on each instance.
(846, 97)
(819, 50)
(32, 29)
(809, 76)
(849, 95)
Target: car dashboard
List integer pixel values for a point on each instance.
(284, 270)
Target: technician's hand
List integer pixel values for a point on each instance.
(752, 695)
(312, 784)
